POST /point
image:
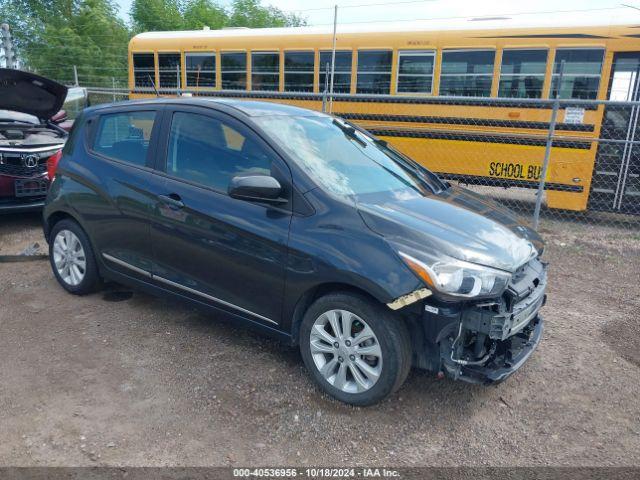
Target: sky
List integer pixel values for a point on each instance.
(320, 12)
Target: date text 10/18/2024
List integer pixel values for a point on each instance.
(321, 472)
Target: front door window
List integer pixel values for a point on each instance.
(210, 152)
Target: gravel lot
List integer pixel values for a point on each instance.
(126, 379)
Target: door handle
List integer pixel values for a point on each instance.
(173, 200)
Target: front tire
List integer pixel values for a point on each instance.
(72, 259)
(355, 349)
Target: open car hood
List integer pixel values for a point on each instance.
(29, 93)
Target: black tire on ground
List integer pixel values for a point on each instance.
(392, 335)
(91, 281)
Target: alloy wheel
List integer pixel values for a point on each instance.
(69, 257)
(346, 351)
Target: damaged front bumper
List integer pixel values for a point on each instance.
(485, 341)
(511, 355)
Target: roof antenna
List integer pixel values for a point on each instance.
(154, 86)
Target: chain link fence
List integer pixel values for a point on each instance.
(578, 167)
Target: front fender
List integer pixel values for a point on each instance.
(340, 249)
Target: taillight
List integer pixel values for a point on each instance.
(52, 164)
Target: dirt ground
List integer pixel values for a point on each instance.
(125, 379)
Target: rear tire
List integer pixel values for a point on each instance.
(357, 350)
(72, 259)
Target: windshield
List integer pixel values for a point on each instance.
(345, 161)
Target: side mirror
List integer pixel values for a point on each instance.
(257, 188)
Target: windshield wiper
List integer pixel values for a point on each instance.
(411, 165)
(424, 175)
(431, 179)
(350, 132)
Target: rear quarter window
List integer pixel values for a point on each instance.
(124, 136)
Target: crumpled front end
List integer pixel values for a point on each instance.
(482, 341)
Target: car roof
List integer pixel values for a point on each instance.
(251, 108)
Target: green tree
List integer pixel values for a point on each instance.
(156, 15)
(51, 36)
(200, 13)
(250, 13)
(54, 35)
(163, 15)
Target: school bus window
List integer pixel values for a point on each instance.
(169, 69)
(233, 71)
(143, 69)
(298, 71)
(581, 76)
(623, 77)
(415, 71)
(200, 69)
(374, 72)
(341, 74)
(265, 71)
(522, 73)
(467, 73)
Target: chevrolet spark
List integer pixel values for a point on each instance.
(304, 227)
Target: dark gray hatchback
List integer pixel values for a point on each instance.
(305, 227)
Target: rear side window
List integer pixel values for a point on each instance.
(467, 73)
(298, 71)
(415, 71)
(265, 71)
(522, 73)
(210, 152)
(201, 69)
(234, 71)
(144, 70)
(125, 136)
(374, 71)
(169, 70)
(582, 70)
(341, 75)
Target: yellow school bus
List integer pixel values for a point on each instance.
(468, 98)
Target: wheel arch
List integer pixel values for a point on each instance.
(320, 290)
(56, 216)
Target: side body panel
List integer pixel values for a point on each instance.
(111, 200)
(230, 252)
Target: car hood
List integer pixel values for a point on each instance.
(29, 93)
(455, 222)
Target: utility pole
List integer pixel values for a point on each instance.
(7, 45)
(333, 57)
(547, 152)
(75, 76)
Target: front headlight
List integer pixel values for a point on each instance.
(455, 277)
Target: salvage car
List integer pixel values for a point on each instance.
(33, 130)
(304, 227)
